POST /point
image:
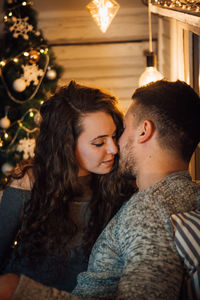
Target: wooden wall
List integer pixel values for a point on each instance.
(113, 60)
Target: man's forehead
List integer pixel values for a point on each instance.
(130, 110)
(128, 117)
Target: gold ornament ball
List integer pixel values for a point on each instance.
(37, 119)
(34, 56)
(5, 122)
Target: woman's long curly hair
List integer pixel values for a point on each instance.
(47, 225)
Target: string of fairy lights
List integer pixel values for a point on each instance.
(188, 6)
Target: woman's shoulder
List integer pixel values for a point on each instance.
(24, 183)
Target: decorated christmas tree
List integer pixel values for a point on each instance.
(29, 75)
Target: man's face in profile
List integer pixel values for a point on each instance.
(127, 161)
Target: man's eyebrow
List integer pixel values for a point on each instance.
(102, 136)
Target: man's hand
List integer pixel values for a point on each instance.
(8, 284)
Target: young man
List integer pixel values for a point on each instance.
(135, 256)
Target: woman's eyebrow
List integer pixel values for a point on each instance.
(102, 136)
(99, 137)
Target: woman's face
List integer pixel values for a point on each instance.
(96, 145)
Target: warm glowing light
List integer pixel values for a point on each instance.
(10, 14)
(2, 63)
(149, 75)
(24, 3)
(31, 114)
(5, 135)
(26, 54)
(103, 12)
(41, 50)
(41, 102)
(5, 18)
(16, 60)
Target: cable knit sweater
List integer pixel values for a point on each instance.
(134, 257)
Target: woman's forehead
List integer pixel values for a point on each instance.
(98, 124)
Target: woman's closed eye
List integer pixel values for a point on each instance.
(103, 140)
(98, 144)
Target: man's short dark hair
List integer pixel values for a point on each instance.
(174, 109)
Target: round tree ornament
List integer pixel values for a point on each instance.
(4, 122)
(51, 74)
(6, 168)
(19, 85)
(37, 119)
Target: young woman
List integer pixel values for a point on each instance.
(69, 191)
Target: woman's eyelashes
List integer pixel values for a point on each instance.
(101, 143)
(98, 144)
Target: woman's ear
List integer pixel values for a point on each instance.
(145, 131)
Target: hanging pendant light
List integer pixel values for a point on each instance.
(103, 12)
(151, 73)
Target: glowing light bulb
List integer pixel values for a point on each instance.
(150, 74)
(31, 114)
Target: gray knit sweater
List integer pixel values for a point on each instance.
(134, 257)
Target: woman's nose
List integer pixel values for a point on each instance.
(112, 147)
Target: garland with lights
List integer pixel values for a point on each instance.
(187, 6)
(31, 73)
(28, 76)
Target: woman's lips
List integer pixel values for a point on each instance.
(108, 162)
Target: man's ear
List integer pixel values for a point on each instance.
(145, 131)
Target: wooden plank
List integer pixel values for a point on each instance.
(126, 61)
(103, 71)
(105, 50)
(103, 82)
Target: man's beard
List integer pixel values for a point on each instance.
(127, 162)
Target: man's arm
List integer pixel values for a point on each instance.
(152, 269)
(13, 287)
